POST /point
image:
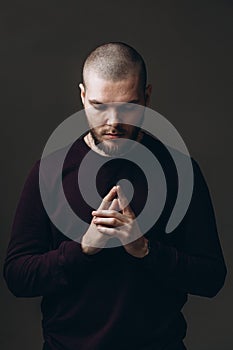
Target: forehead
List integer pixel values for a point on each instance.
(106, 91)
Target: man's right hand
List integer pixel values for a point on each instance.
(93, 239)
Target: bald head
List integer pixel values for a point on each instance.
(115, 61)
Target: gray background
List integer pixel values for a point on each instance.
(187, 47)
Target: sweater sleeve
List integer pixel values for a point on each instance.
(198, 268)
(31, 268)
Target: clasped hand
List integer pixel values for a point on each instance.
(115, 218)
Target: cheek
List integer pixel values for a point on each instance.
(95, 119)
(130, 130)
(98, 131)
(134, 119)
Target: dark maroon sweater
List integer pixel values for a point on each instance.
(112, 300)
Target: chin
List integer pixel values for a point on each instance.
(113, 147)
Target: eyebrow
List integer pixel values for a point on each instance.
(99, 103)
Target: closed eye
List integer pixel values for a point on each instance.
(127, 107)
(100, 106)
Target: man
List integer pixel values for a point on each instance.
(129, 295)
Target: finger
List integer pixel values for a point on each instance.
(106, 202)
(110, 214)
(110, 222)
(124, 203)
(107, 230)
(114, 205)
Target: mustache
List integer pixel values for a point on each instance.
(114, 130)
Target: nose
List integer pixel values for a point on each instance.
(113, 117)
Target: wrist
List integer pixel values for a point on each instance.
(89, 250)
(138, 251)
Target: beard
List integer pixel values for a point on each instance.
(117, 146)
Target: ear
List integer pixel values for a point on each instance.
(148, 94)
(82, 92)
